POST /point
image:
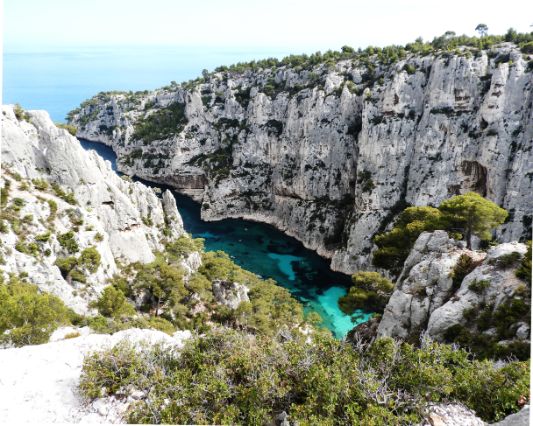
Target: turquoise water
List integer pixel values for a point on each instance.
(269, 253)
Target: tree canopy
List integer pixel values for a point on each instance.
(462, 216)
(370, 292)
(472, 215)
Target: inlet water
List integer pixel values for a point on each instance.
(264, 250)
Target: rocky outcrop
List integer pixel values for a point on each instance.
(331, 153)
(451, 415)
(522, 418)
(428, 299)
(122, 220)
(40, 383)
(229, 293)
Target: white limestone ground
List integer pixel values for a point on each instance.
(38, 384)
(331, 165)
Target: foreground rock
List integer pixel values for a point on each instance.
(122, 220)
(427, 300)
(331, 153)
(522, 418)
(451, 415)
(39, 383)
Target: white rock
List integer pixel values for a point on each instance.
(299, 161)
(38, 384)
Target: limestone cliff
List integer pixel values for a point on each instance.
(331, 152)
(58, 199)
(485, 298)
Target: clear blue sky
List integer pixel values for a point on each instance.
(299, 25)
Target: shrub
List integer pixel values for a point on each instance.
(161, 124)
(507, 260)
(28, 317)
(68, 242)
(394, 246)
(113, 303)
(479, 286)
(462, 268)
(524, 270)
(18, 203)
(40, 184)
(183, 246)
(53, 210)
(473, 214)
(409, 69)
(90, 259)
(462, 216)
(68, 127)
(44, 237)
(371, 292)
(65, 196)
(527, 48)
(66, 265)
(4, 196)
(163, 284)
(270, 308)
(20, 113)
(229, 377)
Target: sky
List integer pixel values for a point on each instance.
(308, 25)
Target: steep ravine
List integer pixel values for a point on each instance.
(331, 153)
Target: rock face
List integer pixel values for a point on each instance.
(425, 299)
(39, 383)
(330, 154)
(122, 220)
(451, 415)
(230, 294)
(522, 418)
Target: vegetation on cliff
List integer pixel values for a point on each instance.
(463, 216)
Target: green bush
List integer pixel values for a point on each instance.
(479, 286)
(371, 292)
(40, 184)
(66, 264)
(53, 210)
(113, 303)
(507, 260)
(473, 215)
(28, 317)
(20, 113)
(465, 264)
(183, 246)
(462, 216)
(65, 196)
(68, 242)
(4, 193)
(163, 285)
(229, 377)
(89, 259)
(394, 246)
(161, 124)
(270, 308)
(68, 127)
(44, 237)
(524, 270)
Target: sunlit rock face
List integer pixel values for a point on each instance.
(426, 300)
(122, 220)
(331, 154)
